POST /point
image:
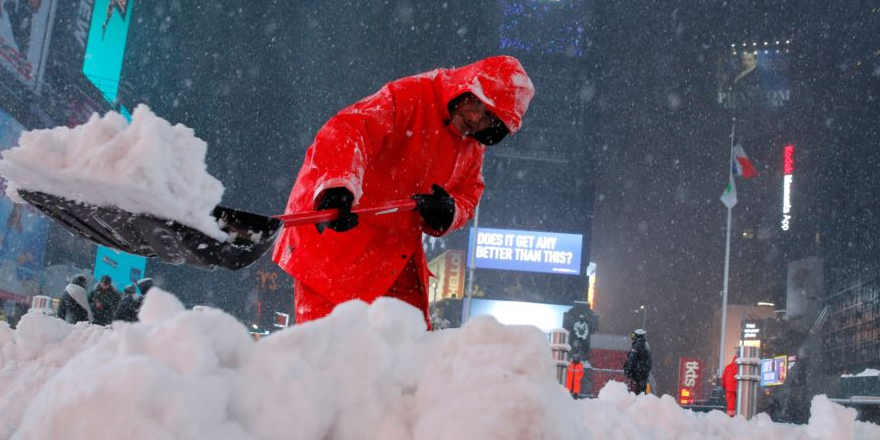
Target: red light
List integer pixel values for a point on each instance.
(788, 160)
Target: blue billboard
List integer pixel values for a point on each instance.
(23, 233)
(526, 251)
(105, 50)
(123, 268)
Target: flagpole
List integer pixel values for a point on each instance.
(726, 256)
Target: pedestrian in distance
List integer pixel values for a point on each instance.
(729, 382)
(420, 137)
(574, 376)
(638, 362)
(104, 301)
(74, 305)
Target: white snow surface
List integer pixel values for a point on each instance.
(868, 372)
(364, 372)
(148, 166)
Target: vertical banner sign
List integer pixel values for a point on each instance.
(690, 373)
(448, 281)
(787, 173)
(108, 31)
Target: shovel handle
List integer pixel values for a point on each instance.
(326, 215)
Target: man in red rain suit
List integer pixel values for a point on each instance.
(422, 137)
(729, 382)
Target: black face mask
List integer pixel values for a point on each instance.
(492, 135)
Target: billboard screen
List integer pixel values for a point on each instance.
(25, 31)
(551, 28)
(544, 316)
(108, 32)
(754, 76)
(774, 371)
(448, 280)
(122, 267)
(527, 251)
(23, 233)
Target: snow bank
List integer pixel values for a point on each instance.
(868, 372)
(364, 372)
(148, 166)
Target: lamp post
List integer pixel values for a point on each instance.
(644, 312)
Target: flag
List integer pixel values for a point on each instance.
(729, 196)
(742, 166)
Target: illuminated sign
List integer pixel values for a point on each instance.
(690, 371)
(591, 286)
(774, 371)
(787, 171)
(105, 50)
(544, 316)
(25, 34)
(527, 251)
(448, 281)
(123, 268)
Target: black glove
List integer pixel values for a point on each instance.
(437, 208)
(341, 199)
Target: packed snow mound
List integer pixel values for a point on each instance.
(148, 166)
(364, 372)
(868, 372)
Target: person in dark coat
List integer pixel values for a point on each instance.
(74, 306)
(638, 362)
(131, 301)
(128, 305)
(104, 301)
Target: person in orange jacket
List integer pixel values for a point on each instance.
(574, 376)
(423, 137)
(729, 383)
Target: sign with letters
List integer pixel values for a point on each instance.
(690, 373)
(527, 251)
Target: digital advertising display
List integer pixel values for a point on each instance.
(122, 267)
(527, 26)
(25, 33)
(774, 371)
(527, 251)
(544, 316)
(754, 75)
(23, 233)
(102, 63)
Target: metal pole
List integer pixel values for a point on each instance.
(747, 381)
(560, 348)
(726, 258)
(466, 304)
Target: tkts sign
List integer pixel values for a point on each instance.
(690, 373)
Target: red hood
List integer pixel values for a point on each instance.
(500, 82)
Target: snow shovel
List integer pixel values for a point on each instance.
(250, 235)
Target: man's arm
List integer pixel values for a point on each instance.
(344, 144)
(467, 193)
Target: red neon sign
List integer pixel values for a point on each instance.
(788, 160)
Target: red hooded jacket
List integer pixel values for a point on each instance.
(728, 378)
(390, 146)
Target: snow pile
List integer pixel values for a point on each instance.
(148, 166)
(364, 372)
(869, 372)
(621, 415)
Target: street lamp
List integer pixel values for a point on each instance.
(644, 311)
